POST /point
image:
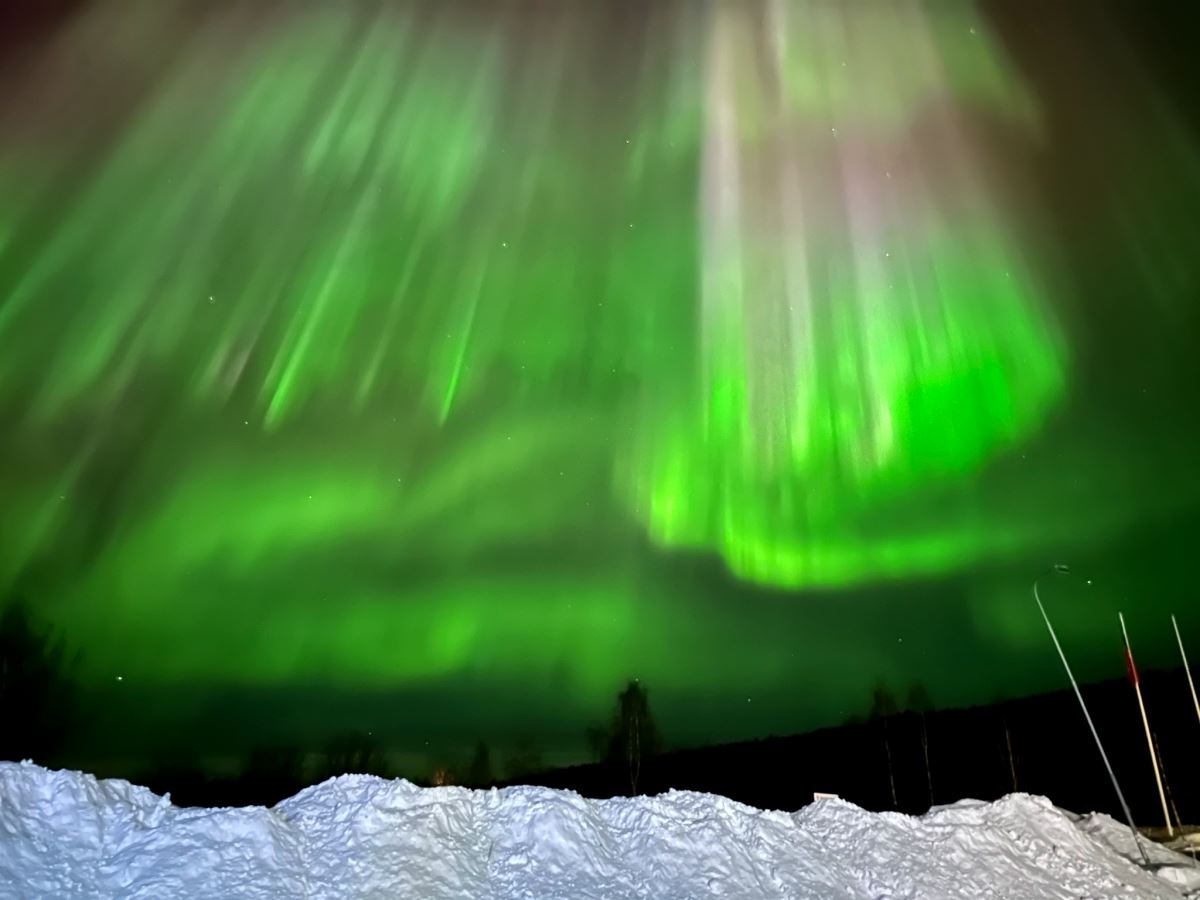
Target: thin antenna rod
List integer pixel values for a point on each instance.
(1186, 669)
(1137, 689)
(1095, 735)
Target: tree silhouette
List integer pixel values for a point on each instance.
(271, 774)
(599, 741)
(883, 707)
(36, 693)
(479, 770)
(355, 752)
(632, 735)
(523, 759)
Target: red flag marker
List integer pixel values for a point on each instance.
(1130, 668)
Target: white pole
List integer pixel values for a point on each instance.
(1187, 671)
(1062, 570)
(1137, 688)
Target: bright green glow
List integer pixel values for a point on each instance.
(305, 253)
(867, 330)
(921, 396)
(316, 159)
(373, 346)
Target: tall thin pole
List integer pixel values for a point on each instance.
(1145, 723)
(887, 745)
(1088, 716)
(1167, 785)
(1186, 670)
(1012, 763)
(925, 750)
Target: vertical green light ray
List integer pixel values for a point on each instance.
(304, 170)
(866, 329)
(376, 343)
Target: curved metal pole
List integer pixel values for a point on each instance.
(1063, 570)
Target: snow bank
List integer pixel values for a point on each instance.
(68, 835)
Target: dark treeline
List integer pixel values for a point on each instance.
(905, 751)
(904, 755)
(37, 695)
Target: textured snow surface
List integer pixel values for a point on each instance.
(67, 835)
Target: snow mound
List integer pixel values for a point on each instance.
(68, 835)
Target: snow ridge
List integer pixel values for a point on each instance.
(67, 835)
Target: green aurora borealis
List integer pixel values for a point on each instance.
(480, 357)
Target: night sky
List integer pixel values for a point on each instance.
(433, 369)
